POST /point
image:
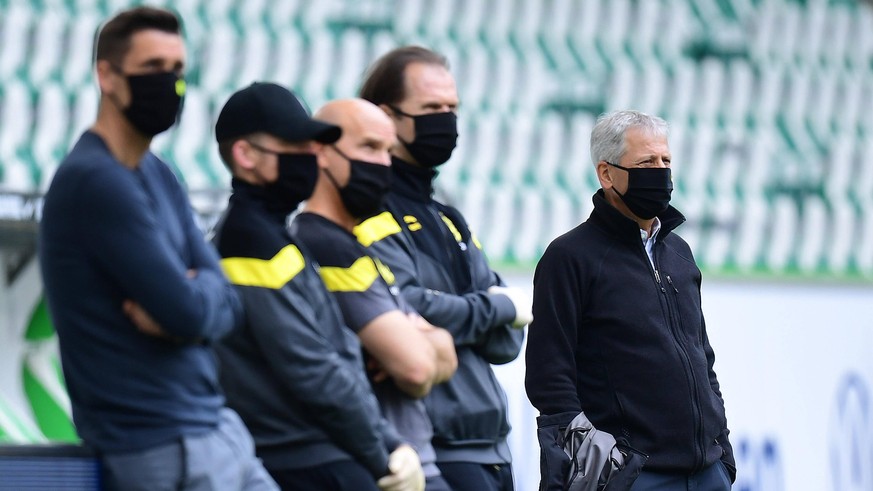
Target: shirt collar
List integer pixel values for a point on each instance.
(656, 227)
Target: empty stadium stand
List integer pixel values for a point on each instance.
(768, 101)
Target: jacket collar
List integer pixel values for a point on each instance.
(412, 181)
(607, 217)
(247, 194)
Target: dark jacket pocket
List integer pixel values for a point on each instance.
(554, 462)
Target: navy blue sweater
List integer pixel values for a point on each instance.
(109, 234)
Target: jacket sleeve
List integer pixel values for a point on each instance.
(500, 344)
(550, 378)
(286, 329)
(468, 317)
(128, 241)
(554, 462)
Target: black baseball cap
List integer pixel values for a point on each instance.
(270, 108)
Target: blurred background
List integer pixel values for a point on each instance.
(770, 104)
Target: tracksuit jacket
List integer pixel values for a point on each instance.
(442, 272)
(626, 343)
(293, 371)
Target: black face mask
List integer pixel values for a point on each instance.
(436, 135)
(648, 190)
(366, 189)
(298, 173)
(155, 101)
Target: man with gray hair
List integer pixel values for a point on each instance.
(618, 331)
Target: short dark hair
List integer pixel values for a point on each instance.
(113, 39)
(385, 80)
(225, 151)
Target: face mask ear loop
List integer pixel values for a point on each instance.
(618, 167)
(332, 179)
(330, 175)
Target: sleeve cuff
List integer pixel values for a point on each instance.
(504, 307)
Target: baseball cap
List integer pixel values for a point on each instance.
(270, 108)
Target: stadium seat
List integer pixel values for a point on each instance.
(253, 61)
(845, 231)
(351, 63)
(526, 246)
(15, 124)
(195, 127)
(50, 135)
(15, 24)
(219, 58)
(752, 224)
(49, 43)
(814, 233)
(77, 67)
(789, 77)
(783, 233)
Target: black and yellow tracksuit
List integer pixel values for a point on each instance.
(293, 372)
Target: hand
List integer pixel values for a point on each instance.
(406, 473)
(376, 370)
(419, 322)
(142, 320)
(520, 300)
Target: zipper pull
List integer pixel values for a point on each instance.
(670, 281)
(658, 280)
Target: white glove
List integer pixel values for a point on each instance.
(520, 300)
(406, 473)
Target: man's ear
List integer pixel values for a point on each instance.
(105, 80)
(241, 151)
(603, 175)
(320, 151)
(390, 112)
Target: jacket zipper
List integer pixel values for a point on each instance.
(695, 396)
(673, 318)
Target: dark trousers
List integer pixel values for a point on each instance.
(437, 483)
(713, 478)
(345, 475)
(465, 476)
